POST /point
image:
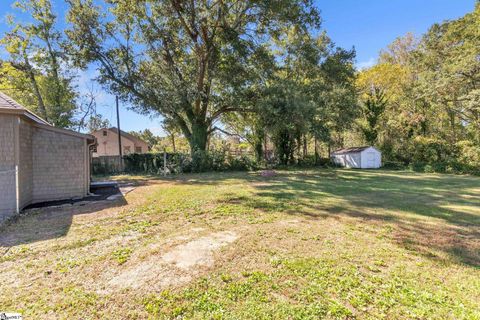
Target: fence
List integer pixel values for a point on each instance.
(107, 165)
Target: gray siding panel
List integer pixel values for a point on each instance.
(8, 203)
(25, 164)
(58, 166)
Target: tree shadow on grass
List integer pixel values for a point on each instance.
(428, 212)
(49, 222)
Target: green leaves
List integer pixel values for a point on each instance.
(373, 108)
(188, 61)
(37, 54)
(431, 85)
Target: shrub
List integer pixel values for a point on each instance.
(148, 162)
(431, 150)
(436, 155)
(469, 154)
(199, 161)
(440, 167)
(417, 166)
(308, 161)
(393, 165)
(242, 163)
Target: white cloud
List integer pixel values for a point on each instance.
(366, 64)
(86, 82)
(158, 131)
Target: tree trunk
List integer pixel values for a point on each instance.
(265, 148)
(259, 149)
(198, 138)
(41, 104)
(258, 138)
(305, 147)
(452, 124)
(299, 147)
(172, 136)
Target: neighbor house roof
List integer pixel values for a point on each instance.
(351, 150)
(126, 135)
(8, 105)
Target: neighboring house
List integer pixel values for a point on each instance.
(39, 162)
(107, 143)
(358, 157)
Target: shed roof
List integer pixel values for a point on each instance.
(351, 150)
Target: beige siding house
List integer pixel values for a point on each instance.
(107, 143)
(39, 162)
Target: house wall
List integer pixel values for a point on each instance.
(108, 145)
(59, 166)
(7, 166)
(142, 145)
(25, 164)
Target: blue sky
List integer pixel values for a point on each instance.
(368, 25)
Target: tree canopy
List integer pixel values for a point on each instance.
(431, 86)
(189, 61)
(38, 71)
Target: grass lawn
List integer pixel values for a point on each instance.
(299, 245)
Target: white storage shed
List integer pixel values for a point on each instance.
(358, 157)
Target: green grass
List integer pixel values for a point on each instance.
(122, 255)
(336, 244)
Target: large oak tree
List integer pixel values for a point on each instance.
(185, 60)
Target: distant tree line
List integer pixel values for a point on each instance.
(421, 102)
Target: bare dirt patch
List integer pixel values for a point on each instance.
(177, 266)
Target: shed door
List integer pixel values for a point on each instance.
(370, 159)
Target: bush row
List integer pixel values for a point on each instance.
(429, 154)
(453, 167)
(424, 155)
(199, 161)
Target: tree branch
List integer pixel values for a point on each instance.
(178, 9)
(223, 110)
(225, 132)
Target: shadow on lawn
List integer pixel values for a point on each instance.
(427, 212)
(49, 222)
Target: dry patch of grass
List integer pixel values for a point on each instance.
(301, 244)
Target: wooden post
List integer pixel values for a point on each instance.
(164, 162)
(119, 135)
